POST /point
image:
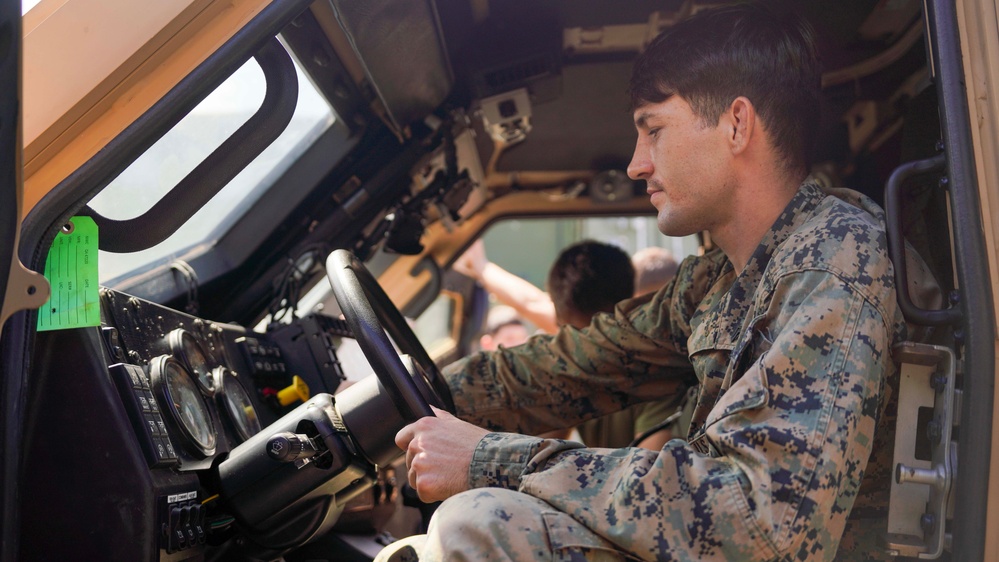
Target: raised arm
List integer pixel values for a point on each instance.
(530, 302)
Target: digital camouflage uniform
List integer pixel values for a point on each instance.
(792, 356)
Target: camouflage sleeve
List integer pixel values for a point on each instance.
(777, 467)
(653, 413)
(635, 354)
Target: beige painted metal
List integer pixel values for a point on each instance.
(496, 179)
(26, 289)
(908, 501)
(83, 48)
(979, 22)
(109, 91)
(447, 345)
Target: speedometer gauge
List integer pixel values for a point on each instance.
(186, 348)
(181, 397)
(237, 403)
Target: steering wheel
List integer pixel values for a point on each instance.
(370, 314)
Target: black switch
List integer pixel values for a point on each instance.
(184, 526)
(177, 538)
(198, 522)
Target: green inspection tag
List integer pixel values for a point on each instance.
(71, 269)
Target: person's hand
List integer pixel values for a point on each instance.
(473, 262)
(438, 453)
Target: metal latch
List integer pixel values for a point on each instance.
(925, 457)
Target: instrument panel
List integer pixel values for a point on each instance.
(144, 408)
(190, 402)
(195, 389)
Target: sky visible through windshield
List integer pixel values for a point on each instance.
(170, 159)
(140, 186)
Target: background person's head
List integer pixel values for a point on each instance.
(654, 267)
(587, 278)
(504, 327)
(748, 49)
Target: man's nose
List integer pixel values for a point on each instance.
(640, 167)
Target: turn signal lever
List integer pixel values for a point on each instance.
(265, 484)
(292, 447)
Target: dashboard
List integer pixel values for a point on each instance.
(194, 389)
(144, 412)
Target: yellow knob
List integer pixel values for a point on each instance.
(297, 391)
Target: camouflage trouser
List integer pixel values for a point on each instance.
(498, 524)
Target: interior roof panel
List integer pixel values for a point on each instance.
(593, 111)
(595, 13)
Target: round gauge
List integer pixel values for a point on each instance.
(188, 349)
(237, 403)
(182, 398)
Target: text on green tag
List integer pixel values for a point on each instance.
(71, 269)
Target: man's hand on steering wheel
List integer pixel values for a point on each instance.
(438, 453)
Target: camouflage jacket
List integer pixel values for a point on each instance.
(792, 356)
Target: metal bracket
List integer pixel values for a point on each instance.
(26, 289)
(925, 463)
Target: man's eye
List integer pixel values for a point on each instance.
(654, 132)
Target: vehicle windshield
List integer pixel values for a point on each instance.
(171, 158)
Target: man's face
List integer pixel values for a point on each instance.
(508, 336)
(686, 166)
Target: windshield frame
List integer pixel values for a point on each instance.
(310, 115)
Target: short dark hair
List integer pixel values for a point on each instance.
(748, 49)
(590, 277)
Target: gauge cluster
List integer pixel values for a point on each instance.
(195, 389)
(187, 397)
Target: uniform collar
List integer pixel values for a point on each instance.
(723, 329)
(797, 211)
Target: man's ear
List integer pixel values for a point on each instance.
(740, 122)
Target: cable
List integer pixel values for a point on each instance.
(291, 281)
